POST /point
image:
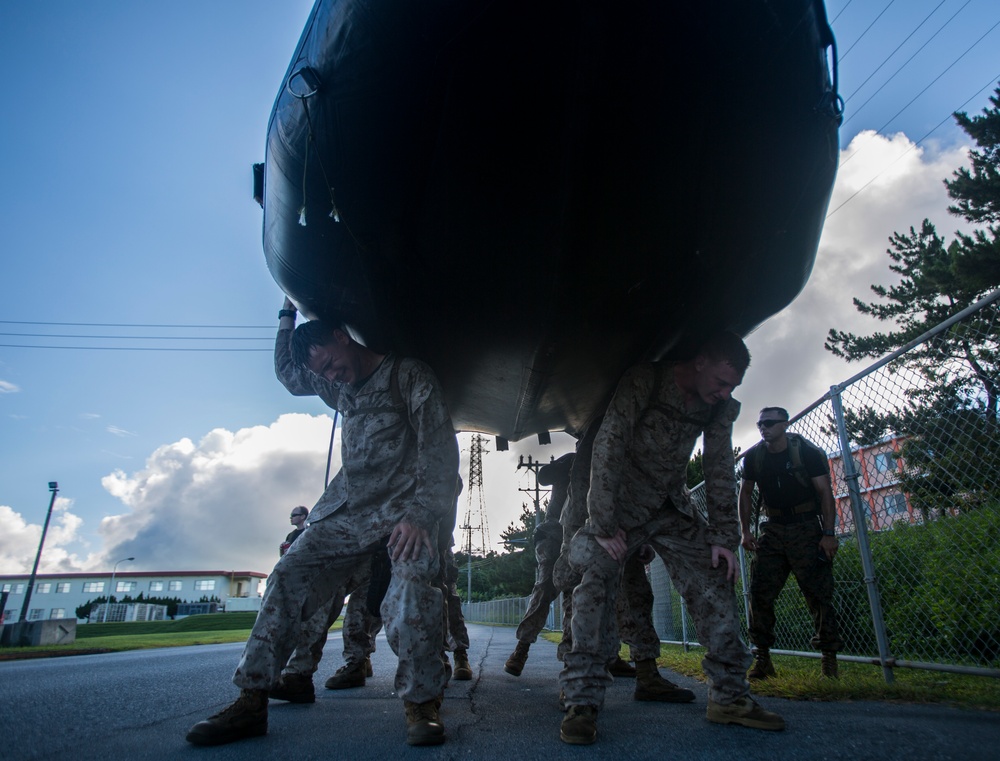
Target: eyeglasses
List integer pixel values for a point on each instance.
(768, 423)
(298, 515)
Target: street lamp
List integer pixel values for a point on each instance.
(108, 603)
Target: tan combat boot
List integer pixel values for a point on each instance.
(463, 669)
(579, 725)
(828, 666)
(762, 667)
(348, 675)
(423, 725)
(515, 664)
(295, 688)
(746, 713)
(650, 685)
(621, 668)
(247, 717)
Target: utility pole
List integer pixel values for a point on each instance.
(54, 488)
(474, 489)
(534, 466)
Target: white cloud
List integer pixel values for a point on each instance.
(790, 367)
(19, 541)
(89, 415)
(6, 387)
(221, 503)
(114, 429)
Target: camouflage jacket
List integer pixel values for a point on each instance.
(398, 463)
(639, 464)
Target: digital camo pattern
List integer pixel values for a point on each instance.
(784, 549)
(641, 454)
(457, 636)
(324, 558)
(638, 484)
(398, 464)
(544, 591)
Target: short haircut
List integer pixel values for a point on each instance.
(310, 334)
(776, 410)
(729, 347)
(300, 510)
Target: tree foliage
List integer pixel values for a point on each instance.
(949, 420)
(507, 574)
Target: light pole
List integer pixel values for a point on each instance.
(108, 603)
(54, 488)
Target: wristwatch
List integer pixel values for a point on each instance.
(286, 313)
(828, 532)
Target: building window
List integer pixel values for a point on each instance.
(62, 587)
(93, 586)
(35, 614)
(57, 613)
(175, 586)
(204, 585)
(125, 586)
(156, 586)
(5, 588)
(10, 616)
(17, 589)
(43, 588)
(884, 462)
(895, 504)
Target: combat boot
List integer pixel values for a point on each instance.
(762, 667)
(650, 685)
(515, 664)
(348, 675)
(247, 717)
(295, 688)
(828, 666)
(621, 668)
(745, 712)
(463, 669)
(579, 725)
(423, 725)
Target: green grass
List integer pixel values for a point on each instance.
(209, 629)
(799, 679)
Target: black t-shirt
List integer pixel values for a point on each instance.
(777, 482)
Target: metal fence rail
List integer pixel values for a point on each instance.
(913, 444)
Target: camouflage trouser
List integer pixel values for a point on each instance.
(710, 598)
(456, 635)
(792, 549)
(633, 621)
(323, 559)
(308, 653)
(542, 594)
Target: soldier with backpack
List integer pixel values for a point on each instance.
(793, 478)
(638, 495)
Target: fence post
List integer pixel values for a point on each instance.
(744, 579)
(861, 529)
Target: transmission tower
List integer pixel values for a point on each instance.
(475, 514)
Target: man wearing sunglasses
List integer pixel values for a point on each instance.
(638, 496)
(793, 478)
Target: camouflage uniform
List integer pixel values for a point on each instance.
(548, 541)
(399, 464)
(638, 484)
(359, 630)
(456, 635)
(789, 543)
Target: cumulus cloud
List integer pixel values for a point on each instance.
(220, 503)
(6, 387)
(19, 541)
(884, 185)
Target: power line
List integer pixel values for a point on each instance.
(134, 325)
(122, 348)
(844, 55)
(144, 338)
(918, 142)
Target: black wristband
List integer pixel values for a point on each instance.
(286, 313)
(828, 532)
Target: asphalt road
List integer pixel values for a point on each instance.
(140, 704)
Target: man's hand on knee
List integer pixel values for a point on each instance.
(722, 552)
(615, 545)
(406, 541)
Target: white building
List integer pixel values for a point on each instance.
(58, 595)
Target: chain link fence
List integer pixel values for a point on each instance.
(913, 446)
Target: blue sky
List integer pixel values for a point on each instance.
(128, 132)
